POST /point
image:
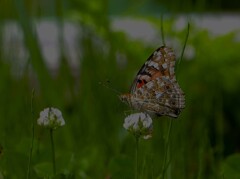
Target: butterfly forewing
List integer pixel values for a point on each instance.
(160, 63)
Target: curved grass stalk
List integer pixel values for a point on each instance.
(31, 147)
(185, 42)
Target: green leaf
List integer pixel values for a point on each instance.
(44, 169)
(121, 167)
(231, 167)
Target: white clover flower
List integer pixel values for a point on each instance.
(51, 118)
(139, 124)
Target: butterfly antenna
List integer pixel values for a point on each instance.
(185, 42)
(106, 84)
(162, 31)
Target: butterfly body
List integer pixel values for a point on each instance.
(155, 89)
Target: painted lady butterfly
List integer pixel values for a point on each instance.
(155, 89)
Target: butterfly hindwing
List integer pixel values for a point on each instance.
(160, 95)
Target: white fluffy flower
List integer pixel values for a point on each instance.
(140, 124)
(51, 118)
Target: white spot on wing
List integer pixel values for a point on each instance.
(171, 71)
(153, 64)
(158, 95)
(157, 54)
(164, 65)
(149, 85)
(162, 84)
(141, 90)
(171, 54)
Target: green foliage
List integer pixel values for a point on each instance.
(231, 167)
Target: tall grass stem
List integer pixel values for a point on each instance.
(31, 147)
(53, 152)
(137, 165)
(165, 164)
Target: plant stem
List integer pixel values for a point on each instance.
(162, 31)
(31, 147)
(185, 42)
(53, 152)
(166, 151)
(136, 170)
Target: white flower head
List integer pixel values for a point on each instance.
(139, 124)
(51, 118)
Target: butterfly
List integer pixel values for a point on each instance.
(155, 89)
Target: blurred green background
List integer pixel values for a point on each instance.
(64, 49)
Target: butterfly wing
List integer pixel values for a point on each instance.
(161, 96)
(155, 88)
(160, 63)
